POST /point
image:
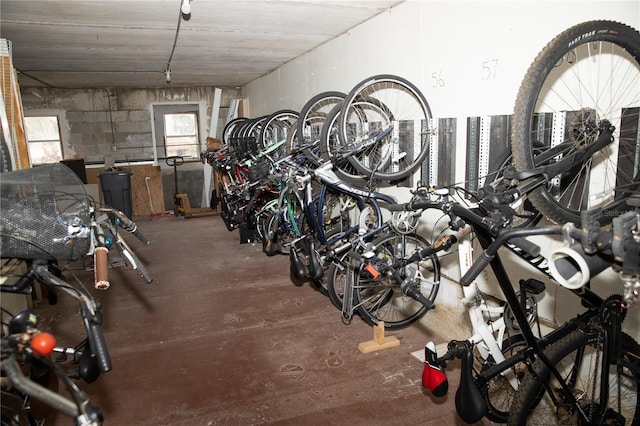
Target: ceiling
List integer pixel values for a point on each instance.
(116, 43)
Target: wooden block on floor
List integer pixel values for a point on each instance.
(379, 340)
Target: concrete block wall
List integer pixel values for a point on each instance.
(115, 124)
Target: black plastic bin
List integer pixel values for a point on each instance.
(116, 190)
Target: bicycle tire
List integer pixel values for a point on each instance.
(330, 145)
(532, 405)
(499, 393)
(285, 225)
(230, 127)
(275, 129)
(336, 277)
(379, 103)
(586, 74)
(382, 299)
(312, 116)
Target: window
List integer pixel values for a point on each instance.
(43, 137)
(181, 135)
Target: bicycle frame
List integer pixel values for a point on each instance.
(330, 182)
(534, 344)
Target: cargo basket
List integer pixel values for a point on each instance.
(45, 214)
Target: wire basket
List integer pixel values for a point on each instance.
(45, 214)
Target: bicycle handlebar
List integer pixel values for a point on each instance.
(608, 248)
(79, 408)
(125, 223)
(90, 315)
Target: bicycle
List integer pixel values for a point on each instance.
(579, 89)
(601, 320)
(30, 377)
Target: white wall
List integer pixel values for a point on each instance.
(452, 40)
(468, 58)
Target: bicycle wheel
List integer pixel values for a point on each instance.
(381, 299)
(330, 145)
(585, 77)
(499, 393)
(337, 276)
(274, 131)
(578, 358)
(312, 117)
(389, 105)
(285, 225)
(230, 128)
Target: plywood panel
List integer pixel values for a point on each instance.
(143, 202)
(146, 191)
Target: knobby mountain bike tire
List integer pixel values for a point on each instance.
(389, 105)
(586, 75)
(533, 406)
(499, 393)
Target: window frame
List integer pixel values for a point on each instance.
(32, 143)
(158, 112)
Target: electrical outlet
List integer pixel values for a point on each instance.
(114, 148)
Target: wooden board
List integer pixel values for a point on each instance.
(143, 203)
(147, 202)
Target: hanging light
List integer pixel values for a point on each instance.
(186, 8)
(167, 74)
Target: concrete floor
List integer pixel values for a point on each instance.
(223, 337)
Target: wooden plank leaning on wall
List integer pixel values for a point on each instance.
(15, 114)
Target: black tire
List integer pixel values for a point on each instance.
(285, 225)
(384, 102)
(532, 405)
(230, 127)
(602, 56)
(312, 116)
(499, 393)
(382, 299)
(336, 277)
(330, 145)
(275, 129)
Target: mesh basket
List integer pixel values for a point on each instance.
(44, 214)
(259, 171)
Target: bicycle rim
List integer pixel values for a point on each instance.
(274, 132)
(586, 75)
(534, 405)
(330, 144)
(377, 104)
(381, 299)
(312, 116)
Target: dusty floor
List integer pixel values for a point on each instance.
(222, 336)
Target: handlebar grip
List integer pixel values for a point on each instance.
(101, 268)
(525, 245)
(97, 344)
(99, 347)
(475, 269)
(139, 236)
(419, 204)
(397, 207)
